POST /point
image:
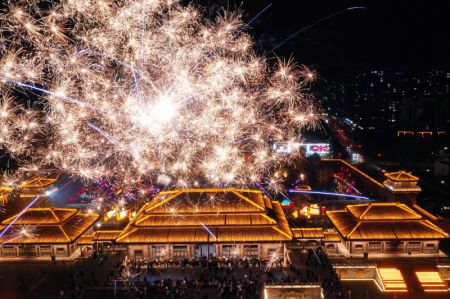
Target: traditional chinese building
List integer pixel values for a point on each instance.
(207, 222)
(387, 228)
(36, 187)
(403, 186)
(49, 232)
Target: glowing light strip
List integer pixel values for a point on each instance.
(10, 240)
(364, 279)
(328, 193)
(20, 214)
(357, 170)
(209, 231)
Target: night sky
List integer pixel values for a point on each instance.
(400, 35)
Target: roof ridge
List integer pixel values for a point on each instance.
(392, 220)
(141, 219)
(434, 227)
(237, 193)
(207, 190)
(425, 212)
(126, 234)
(409, 210)
(365, 212)
(282, 232)
(353, 230)
(196, 214)
(54, 215)
(163, 201)
(396, 175)
(64, 232)
(209, 225)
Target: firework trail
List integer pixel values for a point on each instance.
(19, 215)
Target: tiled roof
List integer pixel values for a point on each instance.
(386, 211)
(38, 182)
(53, 225)
(401, 175)
(308, 233)
(34, 216)
(383, 221)
(208, 215)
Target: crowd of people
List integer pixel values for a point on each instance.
(202, 262)
(202, 277)
(323, 271)
(203, 287)
(223, 277)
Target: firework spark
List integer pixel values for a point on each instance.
(36, 199)
(138, 90)
(21, 232)
(128, 273)
(24, 232)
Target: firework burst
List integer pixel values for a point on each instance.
(24, 232)
(138, 90)
(128, 274)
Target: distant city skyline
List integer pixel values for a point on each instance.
(381, 99)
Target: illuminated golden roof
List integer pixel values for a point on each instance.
(34, 216)
(401, 176)
(194, 200)
(4, 189)
(385, 211)
(38, 182)
(106, 235)
(383, 221)
(86, 239)
(99, 236)
(230, 215)
(53, 225)
(331, 237)
(308, 233)
(210, 219)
